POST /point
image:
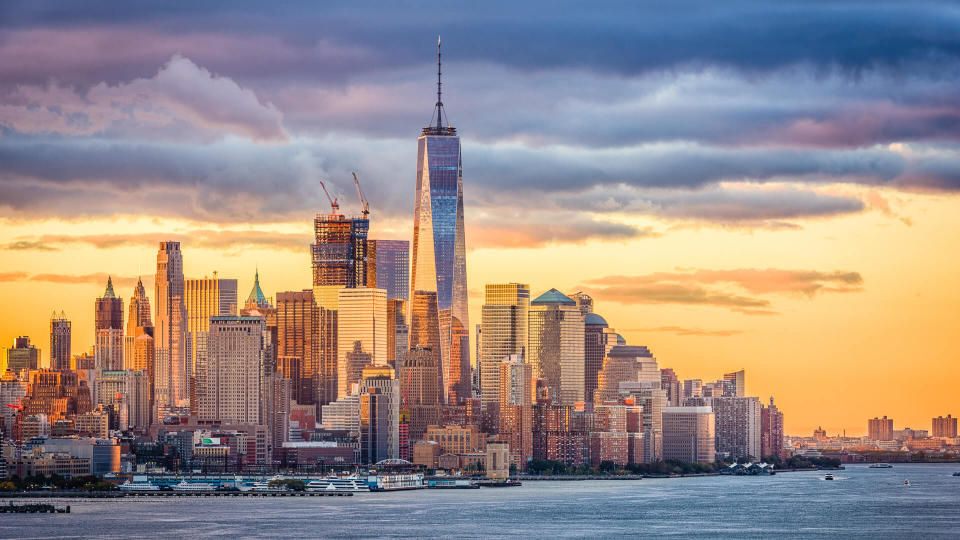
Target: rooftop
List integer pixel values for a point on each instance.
(553, 296)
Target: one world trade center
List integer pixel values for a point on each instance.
(438, 299)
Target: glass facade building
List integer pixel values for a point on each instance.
(504, 330)
(391, 260)
(439, 266)
(555, 348)
(171, 389)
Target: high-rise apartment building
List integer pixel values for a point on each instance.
(205, 298)
(108, 330)
(652, 401)
(737, 426)
(59, 341)
(229, 370)
(672, 386)
(379, 414)
(419, 391)
(944, 427)
(515, 422)
(771, 430)
(127, 394)
(171, 375)
(392, 262)
(555, 349)
(880, 429)
(504, 324)
(692, 388)
(438, 275)
(735, 384)
(361, 328)
(298, 336)
(688, 434)
(22, 355)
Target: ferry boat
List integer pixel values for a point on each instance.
(338, 483)
(263, 485)
(395, 481)
(193, 486)
(956, 473)
(139, 483)
(881, 466)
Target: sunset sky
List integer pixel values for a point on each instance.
(768, 186)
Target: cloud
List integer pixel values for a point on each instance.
(197, 238)
(671, 293)
(527, 232)
(681, 331)
(12, 276)
(753, 280)
(99, 278)
(181, 100)
(755, 312)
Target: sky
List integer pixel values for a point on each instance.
(756, 185)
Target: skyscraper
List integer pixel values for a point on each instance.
(688, 434)
(504, 329)
(944, 427)
(205, 298)
(59, 341)
(771, 430)
(880, 429)
(362, 321)
(595, 339)
(738, 426)
(438, 274)
(298, 322)
(108, 330)
(392, 264)
(229, 369)
(171, 388)
(515, 408)
(340, 250)
(671, 385)
(556, 345)
(734, 384)
(419, 390)
(22, 355)
(138, 323)
(379, 414)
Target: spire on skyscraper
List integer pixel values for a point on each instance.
(256, 297)
(109, 292)
(438, 111)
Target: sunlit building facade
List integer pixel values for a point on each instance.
(229, 370)
(688, 434)
(439, 268)
(60, 330)
(504, 330)
(108, 330)
(298, 336)
(340, 250)
(139, 323)
(171, 388)
(556, 345)
(361, 324)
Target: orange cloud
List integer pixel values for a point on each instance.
(681, 331)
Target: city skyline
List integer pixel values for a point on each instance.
(796, 239)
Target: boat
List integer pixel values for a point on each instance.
(338, 483)
(499, 483)
(395, 481)
(956, 473)
(452, 483)
(881, 466)
(193, 486)
(139, 483)
(828, 477)
(263, 485)
(906, 482)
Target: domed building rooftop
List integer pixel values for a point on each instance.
(596, 320)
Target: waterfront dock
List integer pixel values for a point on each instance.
(162, 494)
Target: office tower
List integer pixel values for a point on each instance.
(277, 395)
(438, 275)
(419, 391)
(59, 341)
(653, 401)
(584, 302)
(692, 388)
(12, 390)
(771, 430)
(504, 321)
(595, 347)
(734, 383)
(298, 320)
(138, 323)
(555, 349)
(108, 330)
(379, 414)
(880, 429)
(257, 305)
(256, 298)
(361, 329)
(944, 427)
(171, 383)
(229, 370)
(737, 426)
(392, 267)
(398, 332)
(671, 385)
(625, 363)
(127, 394)
(688, 434)
(208, 297)
(516, 396)
(22, 355)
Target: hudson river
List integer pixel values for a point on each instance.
(860, 502)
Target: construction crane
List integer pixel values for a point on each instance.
(363, 200)
(334, 207)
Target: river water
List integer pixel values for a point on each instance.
(860, 502)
